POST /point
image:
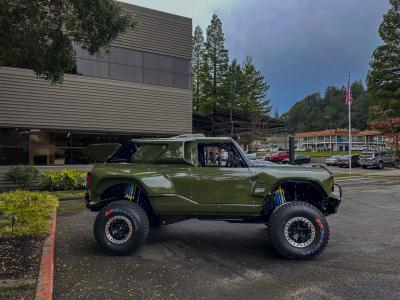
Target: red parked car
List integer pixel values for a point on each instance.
(277, 156)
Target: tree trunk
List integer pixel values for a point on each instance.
(231, 118)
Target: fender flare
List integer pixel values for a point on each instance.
(269, 206)
(106, 183)
(313, 183)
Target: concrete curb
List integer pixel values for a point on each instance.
(44, 289)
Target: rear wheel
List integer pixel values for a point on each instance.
(121, 227)
(380, 165)
(298, 230)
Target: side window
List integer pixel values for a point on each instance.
(222, 155)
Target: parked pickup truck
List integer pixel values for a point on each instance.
(153, 182)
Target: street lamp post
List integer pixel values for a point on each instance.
(330, 135)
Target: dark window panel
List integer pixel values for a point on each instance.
(126, 73)
(181, 81)
(182, 66)
(126, 57)
(158, 62)
(158, 78)
(14, 146)
(92, 68)
(81, 53)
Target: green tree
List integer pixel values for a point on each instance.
(254, 89)
(384, 76)
(315, 112)
(39, 34)
(253, 100)
(233, 86)
(197, 65)
(215, 65)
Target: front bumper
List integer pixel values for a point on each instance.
(332, 202)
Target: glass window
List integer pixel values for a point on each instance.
(92, 68)
(182, 66)
(158, 77)
(14, 146)
(158, 62)
(219, 155)
(181, 81)
(126, 73)
(135, 66)
(125, 56)
(81, 53)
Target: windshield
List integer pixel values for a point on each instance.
(242, 154)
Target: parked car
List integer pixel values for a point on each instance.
(251, 156)
(299, 159)
(277, 156)
(152, 182)
(344, 161)
(377, 159)
(333, 160)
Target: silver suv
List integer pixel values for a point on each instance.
(377, 159)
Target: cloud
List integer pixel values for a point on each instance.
(301, 46)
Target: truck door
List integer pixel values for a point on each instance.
(221, 182)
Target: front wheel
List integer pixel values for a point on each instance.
(121, 227)
(298, 230)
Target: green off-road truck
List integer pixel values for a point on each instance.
(147, 183)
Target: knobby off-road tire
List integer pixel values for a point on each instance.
(121, 227)
(298, 230)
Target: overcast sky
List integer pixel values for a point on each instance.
(300, 46)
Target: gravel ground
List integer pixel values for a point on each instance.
(217, 260)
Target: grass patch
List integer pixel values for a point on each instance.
(70, 193)
(32, 210)
(328, 154)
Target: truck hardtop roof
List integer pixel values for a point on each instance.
(183, 138)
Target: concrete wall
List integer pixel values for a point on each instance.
(92, 104)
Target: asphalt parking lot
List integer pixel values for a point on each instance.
(217, 260)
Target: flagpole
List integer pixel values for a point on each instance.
(350, 137)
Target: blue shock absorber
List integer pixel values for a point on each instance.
(279, 196)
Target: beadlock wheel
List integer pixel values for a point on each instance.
(118, 229)
(121, 227)
(299, 232)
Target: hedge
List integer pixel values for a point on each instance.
(66, 179)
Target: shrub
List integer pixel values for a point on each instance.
(49, 181)
(32, 210)
(82, 180)
(23, 176)
(65, 179)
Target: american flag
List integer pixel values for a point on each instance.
(349, 97)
